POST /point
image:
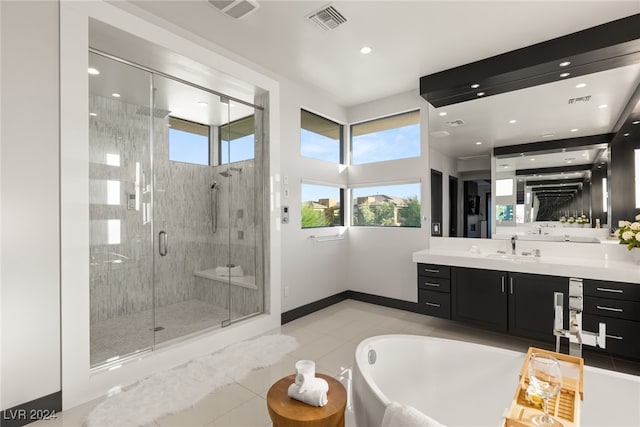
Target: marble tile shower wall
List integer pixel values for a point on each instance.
(122, 245)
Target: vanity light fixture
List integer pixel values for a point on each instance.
(443, 113)
(203, 103)
(565, 63)
(480, 93)
(475, 86)
(115, 95)
(365, 50)
(603, 106)
(565, 74)
(581, 85)
(93, 71)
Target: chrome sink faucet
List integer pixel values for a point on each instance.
(513, 244)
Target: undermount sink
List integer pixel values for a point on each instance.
(512, 257)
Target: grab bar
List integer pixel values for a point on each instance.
(163, 243)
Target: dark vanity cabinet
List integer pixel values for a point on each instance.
(617, 305)
(531, 309)
(479, 297)
(434, 290)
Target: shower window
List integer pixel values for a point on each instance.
(237, 140)
(188, 142)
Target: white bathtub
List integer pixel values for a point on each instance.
(465, 384)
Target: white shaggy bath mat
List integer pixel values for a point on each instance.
(172, 391)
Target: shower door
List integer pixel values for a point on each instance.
(177, 196)
(191, 241)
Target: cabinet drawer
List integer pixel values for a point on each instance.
(434, 284)
(612, 290)
(612, 308)
(434, 270)
(436, 304)
(622, 335)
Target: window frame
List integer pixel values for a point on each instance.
(390, 116)
(183, 125)
(341, 160)
(341, 190)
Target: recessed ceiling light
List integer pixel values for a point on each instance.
(581, 85)
(565, 63)
(565, 74)
(603, 106)
(480, 93)
(627, 134)
(574, 130)
(365, 50)
(93, 71)
(443, 113)
(513, 121)
(203, 103)
(475, 86)
(637, 122)
(92, 114)
(115, 95)
(478, 142)
(532, 159)
(584, 154)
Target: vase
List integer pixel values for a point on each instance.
(635, 253)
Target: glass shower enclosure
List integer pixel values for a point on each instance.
(176, 225)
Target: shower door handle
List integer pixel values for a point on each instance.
(162, 243)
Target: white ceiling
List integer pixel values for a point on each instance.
(411, 39)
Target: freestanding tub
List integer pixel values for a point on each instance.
(464, 384)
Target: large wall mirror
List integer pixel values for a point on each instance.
(536, 153)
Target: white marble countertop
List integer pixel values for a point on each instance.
(585, 268)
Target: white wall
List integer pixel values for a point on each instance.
(311, 270)
(380, 258)
(29, 200)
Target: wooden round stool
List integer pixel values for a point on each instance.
(287, 412)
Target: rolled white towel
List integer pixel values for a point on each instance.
(314, 396)
(398, 415)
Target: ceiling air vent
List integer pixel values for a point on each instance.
(580, 99)
(327, 18)
(456, 122)
(440, 134)
(235, 8)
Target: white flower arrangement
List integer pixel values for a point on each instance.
(571, 220)
(582, 219)
(563, 219)
(629, 233)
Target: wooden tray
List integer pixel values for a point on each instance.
(564, 407)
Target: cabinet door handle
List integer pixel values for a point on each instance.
(511, 285)
(617, 291)
(615, 337)
(432, 304)
(601, 307)
(502, 280)
(428, 270)
(435, 285)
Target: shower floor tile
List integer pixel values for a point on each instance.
(127, 334)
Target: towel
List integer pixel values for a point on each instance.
(315, 394)
(398, 415)
(235, 271)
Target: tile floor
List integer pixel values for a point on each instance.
(329, 337)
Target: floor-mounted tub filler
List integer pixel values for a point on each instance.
(464, 384)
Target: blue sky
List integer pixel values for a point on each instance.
(397, 143)
(319, 146)
(191, 148)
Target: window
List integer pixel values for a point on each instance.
(504, 213)
(188, 141)
(387, 205)
(390, 138)
(237, 140)
(321, 206)
(320, 138)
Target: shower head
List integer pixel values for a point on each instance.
(227, 173)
